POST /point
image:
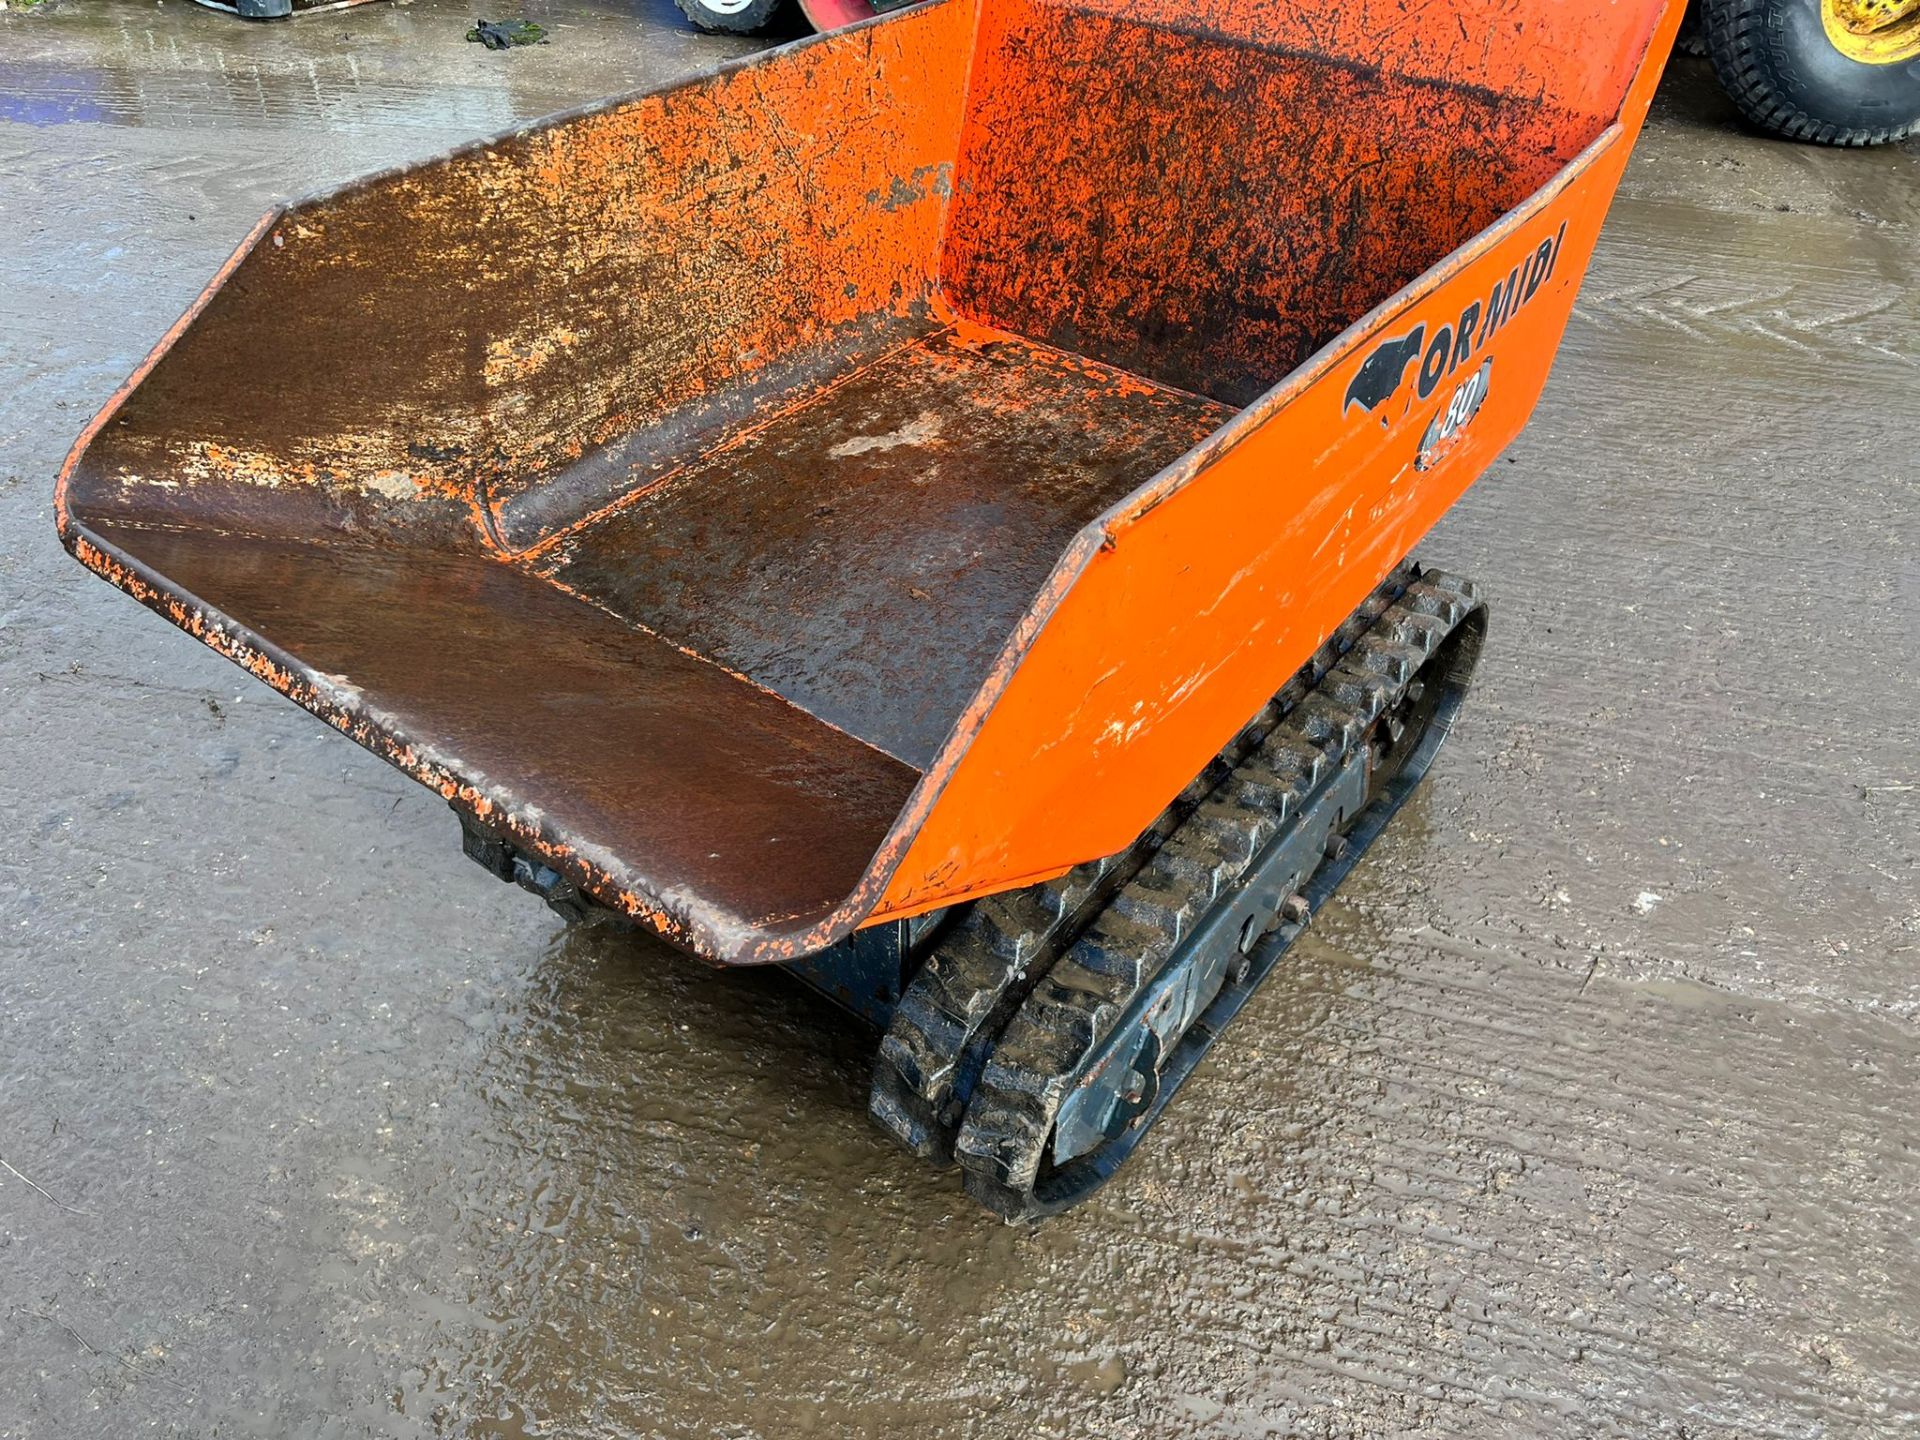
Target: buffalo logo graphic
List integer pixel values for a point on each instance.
(1380, 376)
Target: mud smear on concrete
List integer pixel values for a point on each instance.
(1588, 1109)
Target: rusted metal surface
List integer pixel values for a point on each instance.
(866, 552)
(1113, 209)
(410, 356)
(839, 454)
(708, 806)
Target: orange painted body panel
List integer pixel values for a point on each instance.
(1184, 606)
(882, 472)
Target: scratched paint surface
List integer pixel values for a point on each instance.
(822, 372)
(1543, 53)
(1209, 213)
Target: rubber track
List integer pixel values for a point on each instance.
(1070, 1012)
(989, 959)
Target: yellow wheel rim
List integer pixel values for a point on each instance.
(1874, 32)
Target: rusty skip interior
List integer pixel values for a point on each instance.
(668, 476)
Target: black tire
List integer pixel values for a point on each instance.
(752, 16)
(1692, 39)
(1777, 65)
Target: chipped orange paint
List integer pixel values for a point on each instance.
(1124, 222)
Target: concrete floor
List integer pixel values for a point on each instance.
(1589, 1109)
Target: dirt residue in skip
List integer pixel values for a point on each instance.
(1588, 1108)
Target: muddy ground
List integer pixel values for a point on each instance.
(1588, 1110)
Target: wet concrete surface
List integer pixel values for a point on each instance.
(1588, 1109)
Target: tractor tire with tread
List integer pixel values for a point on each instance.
(750, 18)
(1779, 67)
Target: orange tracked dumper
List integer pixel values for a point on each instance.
(927, 506)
